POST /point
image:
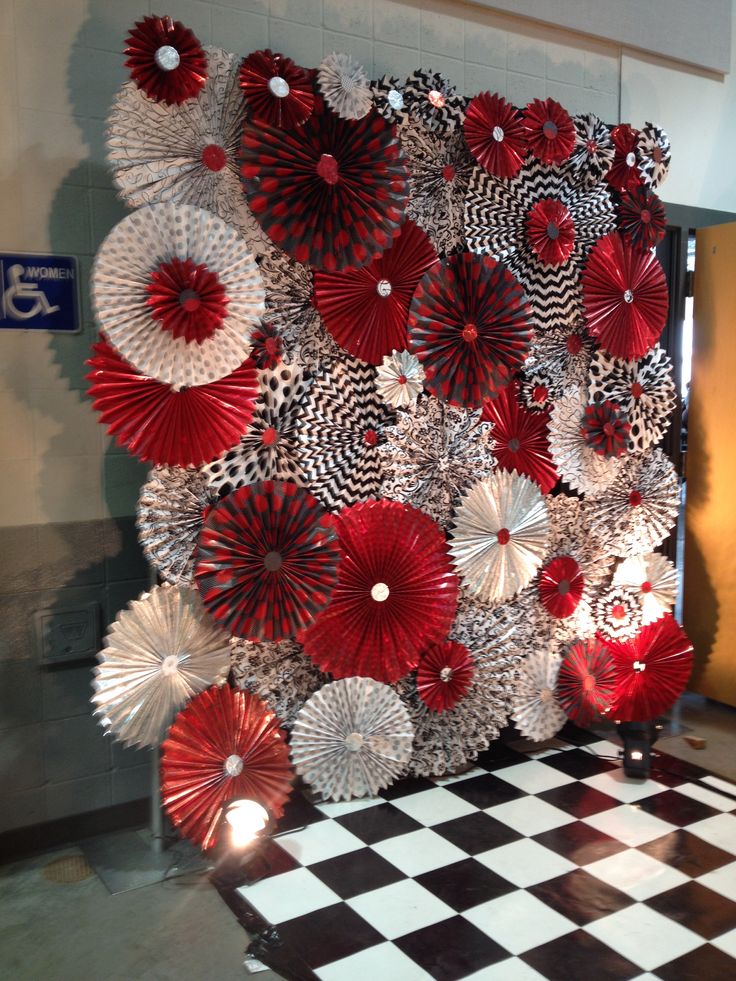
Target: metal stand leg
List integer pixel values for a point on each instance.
(158, 843)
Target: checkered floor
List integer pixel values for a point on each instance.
(549, 866)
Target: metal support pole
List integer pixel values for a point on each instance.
(157, 814)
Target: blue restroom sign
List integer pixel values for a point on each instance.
(39, 292)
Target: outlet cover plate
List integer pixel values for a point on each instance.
(67, 635)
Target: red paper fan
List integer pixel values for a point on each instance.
(652, 670)
(586, 681)
(495, 134)
(444, 675)
(267, 560)
(624, 297)
(278, 92)
(165, 60)
(561, 585)
(170, 428)
(225, 745)
(187, 298)
(366, 309)
(641, 218)
(550, 231)
(396, 594)
(331, 193)
(520, 437)
(624, 174)
(606, 429)
(550, 131)
(469, 325)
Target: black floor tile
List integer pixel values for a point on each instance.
(499, 756)
(578, 737)
(676, 808)
(464, 884)
(578, 799)
(451, 949)
(687, 853)
(409, 785)
(328, 934)
(579, 764)
(357, 872)
(704, 962)
(476, 833)
(579, 843)
(485, 790)
(378, 823)
(697, 908)
(580, 897)
(579, 957)
(266, 860)
(298, 813)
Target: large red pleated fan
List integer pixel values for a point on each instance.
(520, 437)
(167, 427)
(561, 586)
(652, 670)
(469, 325)
(396, 594)
(586, 681)
(165, 60)
(625, 297)
(495, 134)
(267, 560)
(330, 193)
(444, 675)
(366, 309)
(225, 745)
(277, 91)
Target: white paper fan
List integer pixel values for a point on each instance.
(654, 577)
(577, 463)
(177, 292)
(352, 738)
(536, 712)
(159, 652)
(400, 379)
(345, 86)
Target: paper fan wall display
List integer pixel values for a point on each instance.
(577, 463)
(586, 681)
(267, 560)
(280, 674)
(225, 745)
(535, 709)
(276, 90)
(400, 379)
(499, 535)
(161, 651)
(495, 134)
(520, 438)
(177, 293)
(654, 579)
(396, 594)
(366, 309)
(165, 60)
(431, 454)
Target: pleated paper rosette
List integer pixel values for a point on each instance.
(444, 675)
(226, 745)
(495, 134)
(520, 437)
(165, 59)
(535, 709)
(345, 86)
(655, 580)
(177, 293)
(351, 739)
(400, 379)
(618, 612)
(160, 651)
(276, 90)
(577, 463)
(586, 681)
(593, 152)
(434, 102)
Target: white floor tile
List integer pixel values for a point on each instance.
(400, 908)
(525, 862)
(722, 880)
(419, 851)
(727, 943)
(720, 784)
(282, 897)
(629, 824)
(509, 970)
(644, 936)
(336, 808)
(616, 784)
(325, 839)
(638, 875)
(719, 830)
(534, 776)
(604, 748)
(434, 806)
(530, 815)
(382, 961)
(709, 797)
(519, 921)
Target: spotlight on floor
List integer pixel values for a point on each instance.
(246, 819)
(638, 739)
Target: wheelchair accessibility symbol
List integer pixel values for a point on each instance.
(19, 291)
(39, 292)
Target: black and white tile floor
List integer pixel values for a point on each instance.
(548, 866)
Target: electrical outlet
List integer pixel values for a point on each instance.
(67, 635)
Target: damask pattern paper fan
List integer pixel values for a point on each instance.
(618, 613)
(280, 674)
(641, 218)
(593, 152)
(623, 174)
(535, 709)
(550, 132)
(339, 429)
(578, 464)
(444, 675)
(396, 594)
(652, 670)
(267, 560)
(167, 427)
(520, 438)
(497, 216)
(345, 86)
(225, 745)
(644, 389)
(655, 580)
(469, 326)
(654, 153)
(499, 536)
(366, 309)
(165, 59)
(431, 454)
(400, 379)
(160, 651)
(268, 450)
(639, 508)
(170, 513)
(352, 738)
(439, 175)
(625, 298)
(389, 100)
(276, 90)
(433, 101)
(177, 293)
(586, 681)
(495, 133)
(331, 193)
(564, 353)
